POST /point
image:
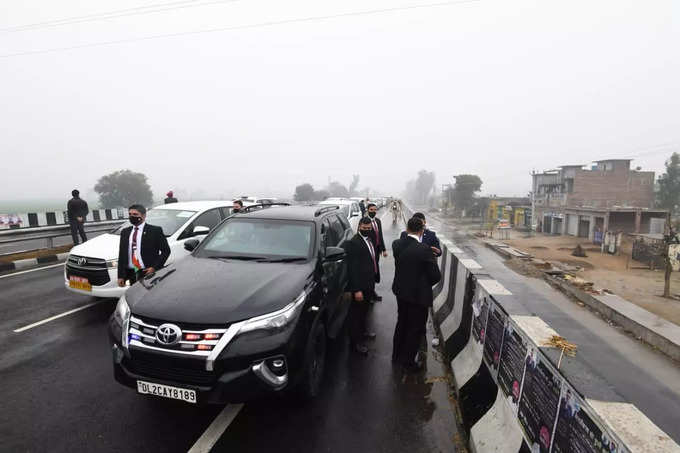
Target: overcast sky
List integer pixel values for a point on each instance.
(496, 88)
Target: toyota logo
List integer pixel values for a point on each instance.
(168, 334)
(82, 261)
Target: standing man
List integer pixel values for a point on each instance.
(77, 210)
(170, 198)
(429, 237)
(362, 267)
(143, 248)
(415, 272)
(362, 206)
(236, 208)
(378, 241)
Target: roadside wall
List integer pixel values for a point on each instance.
(39, 219)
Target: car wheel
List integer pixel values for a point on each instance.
(315, 363)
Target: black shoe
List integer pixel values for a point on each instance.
(369, 335)
(413, 367)
(360, 349)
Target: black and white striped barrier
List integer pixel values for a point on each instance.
(511, 394)
(38, 219)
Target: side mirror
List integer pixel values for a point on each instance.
(191, 244)
(200, 230)
(334, 253)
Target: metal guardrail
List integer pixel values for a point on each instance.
(50, 232)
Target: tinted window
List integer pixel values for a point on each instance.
(344, 222)
(260, 238)
(168, 219)
(332, 236)
(337, 230)
(208, 219)
(226, 212)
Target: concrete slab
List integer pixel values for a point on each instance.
(535, 328)
(493, 287)
(498, 431)
(467, 363)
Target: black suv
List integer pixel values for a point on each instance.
(248, 313)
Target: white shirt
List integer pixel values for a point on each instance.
(416, 237)
(138, 254)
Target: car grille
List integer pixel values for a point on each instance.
(84, 262)
(95, 277)
(162, 368)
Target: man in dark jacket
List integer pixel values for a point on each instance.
(378, 241)
(415, 272)
(77, 210)
(429, 237)
(362, 268)
(170, 198)
(143, 248)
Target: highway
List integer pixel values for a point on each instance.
(59, 394)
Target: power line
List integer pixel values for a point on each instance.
(138, 11)
(240, 27)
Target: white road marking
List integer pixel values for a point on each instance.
(31, 270)
(211, 435)
(52, 318)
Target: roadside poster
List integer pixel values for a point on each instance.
(577, 431)
(539, 401)
(480, 310)
(495, 326)
(511, 365)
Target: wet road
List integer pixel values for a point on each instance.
(58, 391)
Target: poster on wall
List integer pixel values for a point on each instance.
(480, 310)
(495, 326)
(511, 365)
(539, 400)
(577, 431)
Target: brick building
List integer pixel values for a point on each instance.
(609, 196)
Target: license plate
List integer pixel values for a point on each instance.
(79, 283)
(166, 391)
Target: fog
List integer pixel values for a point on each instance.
(283, 94)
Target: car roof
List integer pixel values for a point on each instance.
(340, 202)
(287, 213)
(195, 205)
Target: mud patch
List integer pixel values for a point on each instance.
(524, 268)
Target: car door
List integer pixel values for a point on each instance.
(209, 219)
(354, 216)
(334, 276)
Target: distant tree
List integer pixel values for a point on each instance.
(464, 191)
(304, 192)
(354, 185)
(424, 185)
(336, 189)
(320, 195)
(668, 196)
(123, 188)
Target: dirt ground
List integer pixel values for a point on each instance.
(616, 273)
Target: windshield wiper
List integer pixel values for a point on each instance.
(288, 260)
(237, 257)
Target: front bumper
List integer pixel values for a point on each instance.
(108, 289)
(245, 383)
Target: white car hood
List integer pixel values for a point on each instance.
(104, 246)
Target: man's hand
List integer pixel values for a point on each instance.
(435, 250)
(149, 271)
(121, 282)
(384, 254)
(359, 296)
(80, 219)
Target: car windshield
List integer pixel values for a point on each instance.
(168, 219)
(259, 239)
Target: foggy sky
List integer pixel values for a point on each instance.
(496, 88)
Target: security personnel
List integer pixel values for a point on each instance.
(429, 237)
(415, 272)
(362, 267)
(378, 241)
(77, 210)
(143, 247)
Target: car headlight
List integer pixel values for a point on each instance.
(112, 264)
(122, 317)
(277, 320)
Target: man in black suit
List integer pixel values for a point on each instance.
(143, 248)
(378, 242)
(77, 210)
(362, 267)
(429, 237)
(415, 272)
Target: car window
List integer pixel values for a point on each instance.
(170, 220)
(226, 211)
(332, 236)
(208, 219)
(260, 239)
(337, 230)
(344, 222)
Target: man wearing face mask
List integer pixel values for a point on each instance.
(143, 248)
(237, 207)
(378, 241)
(362, 267)
(415, 272)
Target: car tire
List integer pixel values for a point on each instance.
(315, 363)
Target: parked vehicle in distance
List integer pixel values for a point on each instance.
(250, 199)
(349, 208)
(92, 267)
(248, 313)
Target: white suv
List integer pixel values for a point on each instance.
(349, 208)
(92, 267)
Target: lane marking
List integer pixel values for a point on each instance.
(211, 435)
(52, 318)
(31, 270)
